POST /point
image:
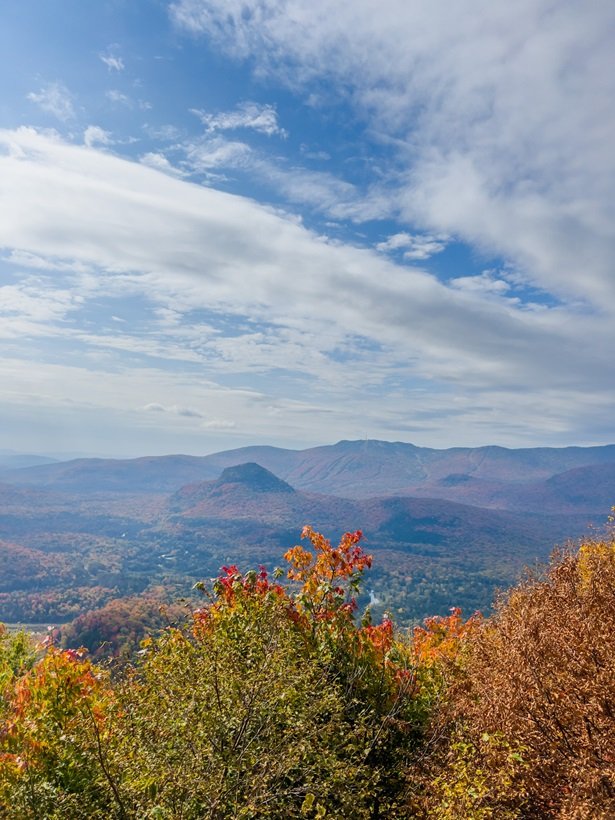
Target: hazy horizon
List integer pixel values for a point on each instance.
(70, 456)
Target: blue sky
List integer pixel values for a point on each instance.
(226, 222)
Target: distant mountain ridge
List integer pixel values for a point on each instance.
(491, 476)
(11, 460)
(149, 474)
(465, 527)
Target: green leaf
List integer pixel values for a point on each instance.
(307, 803)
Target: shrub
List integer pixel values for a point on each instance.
(52, 759)
(275, 703)
(532, 715)
(272, 702)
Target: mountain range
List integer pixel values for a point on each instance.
(492, 477)
(446, 527)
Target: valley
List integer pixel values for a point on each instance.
(446, 528)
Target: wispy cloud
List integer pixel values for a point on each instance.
(417, 246)
(25, 259)
(156, 159)
(112, 60)
(219, 424)
(322, 191)
(261, 295)
(427, 252)
(257, 117)
(500, 115)
(486, 282)
(33, 309)
(186, 412)
(95, 135)
(208, 154)
(118, 97)
(54, 99)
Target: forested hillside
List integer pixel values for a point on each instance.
(65, 557)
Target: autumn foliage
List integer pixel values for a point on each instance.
(272, 702)
(278, 699)
(529, 725)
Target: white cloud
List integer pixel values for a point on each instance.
(261, 118)
(30, 299)
(486, 282)
(55, 99)
(158, 161)
(113, 62)
(323, 191)
(163, 132)
(344, 327)
(95, 135)
(150, 348)
(186, 412)
(501, 114)
(219, 424)
(318, 189)
(24, 259)
(31, 309)
(418, 246)
(118, 97)
(218, 152)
